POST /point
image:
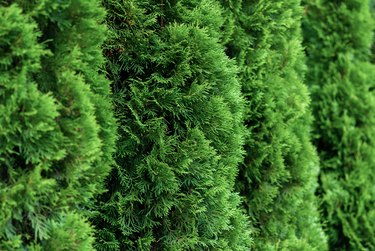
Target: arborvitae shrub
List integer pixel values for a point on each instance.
(338, 37)
(178, 103)
(278, 177)
(56, 128)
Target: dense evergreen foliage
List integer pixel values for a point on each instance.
(179, 108)
(56, 129)
(372, 10)
(213, 142)
(278, 176)
(338, 41)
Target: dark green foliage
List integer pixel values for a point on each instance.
(279, 173)
(372, 10)
(338, 41)
(179, 109)
(56, 129)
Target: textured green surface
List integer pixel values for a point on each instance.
(179, 109)
(279, 173)
(338, 41)
(56, 126)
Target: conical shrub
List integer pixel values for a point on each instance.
(179, 108)
(278, 176)
(56, 126)
(338, 38)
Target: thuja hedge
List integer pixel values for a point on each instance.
(338, 42)
(180, 114)
(182, 122)
(56, 124)
(278, 177)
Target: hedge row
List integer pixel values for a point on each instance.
(187, 125)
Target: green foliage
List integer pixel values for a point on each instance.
(278, 177)
(178, 103)
(56, 129)
(70, 232)
(372, 10)
(338, 41)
